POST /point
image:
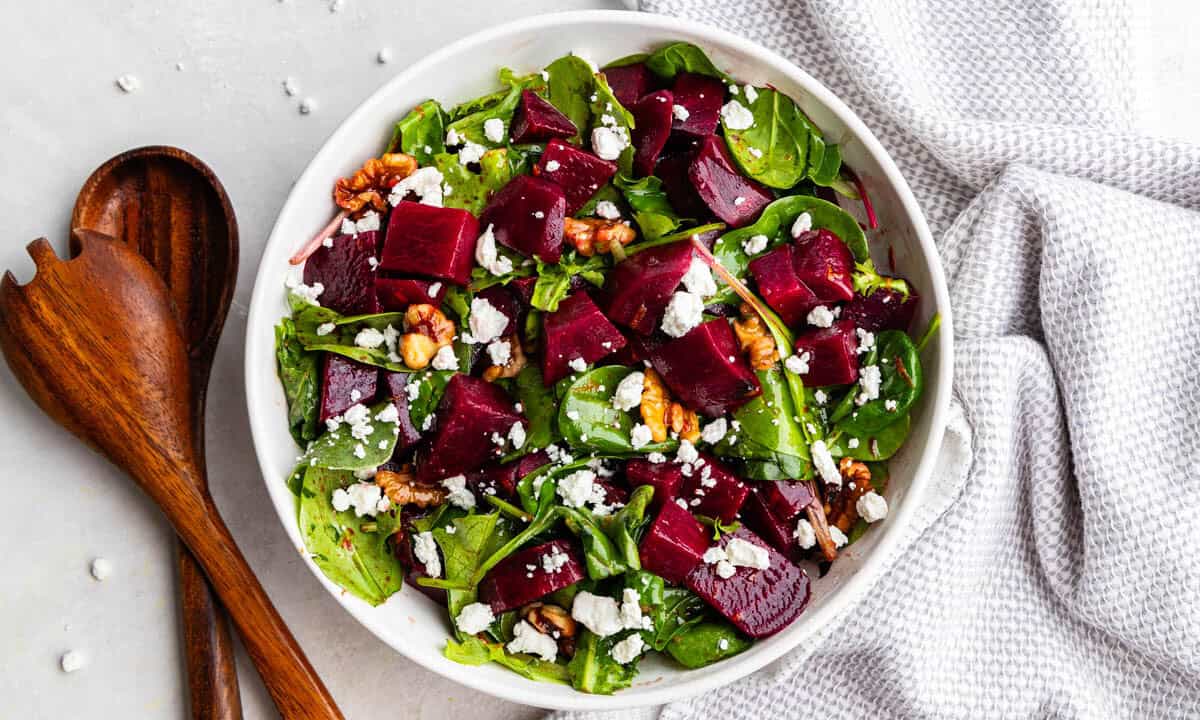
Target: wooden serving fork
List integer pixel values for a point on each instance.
(95, 343)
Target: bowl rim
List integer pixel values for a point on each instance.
(521, 690)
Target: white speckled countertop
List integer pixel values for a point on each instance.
(62, 116)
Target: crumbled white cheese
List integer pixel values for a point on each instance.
(852, 443)
(598, 613)
(325, 328)
(715, 431)
(820, 316)
(101, 569)
(129, 83)
(869, 379)
(866, 340)
(872, 507)
(699, 279)
(608, 210)
(425, 183)
(389, 414)
(657, 458)
(890, 405)
(839, 537)
(500, 352)
(573, 415)
(577, 364)
(739, 201)
(802, 224)
(445, 359)
(628, 650)
(820, 397)
(426, 551)
(723, 644)
(687, 453)
(826, 466)
(631, 611)
(71, 661)
(307, 293)
(384, 56)
(629, 391)
(554, 561)
(290, 87)
(579, 488)
(348, 228)
(487, 323)
(526, 639)
(736, 116)
(640, 436)
(470, 153)
(684, 312)
(743, 553)
(435, 288)
(552, 165)
(755, 152)
(755, 244)
(487, 255)
(307, 106)
(493, 130)
(680, 112)
(609, 142)
(751, 94)
(368, 222)
(798, 364)
(459, 495)
(805, 536)
(363, 497)
(475, 618)
(453, 138)
(368, 338)
(516, 435)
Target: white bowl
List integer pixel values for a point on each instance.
(467, 68)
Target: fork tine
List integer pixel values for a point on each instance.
(42, 253)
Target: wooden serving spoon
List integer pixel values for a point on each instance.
(168, 206)
(95, 342)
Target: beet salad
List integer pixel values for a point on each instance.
(598, 363)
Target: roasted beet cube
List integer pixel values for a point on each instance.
(770, 528)
(471, 411)
(576, 330)
(578, 172)
(731, 196)
(396, 294)
(706, 370)
(672, 169)
(786, 498)
(613, 494)
(523, 288)
(775, 275)
(665, 478)
(884, 309)
(757, 602)
(832, 354)
(628, 83)
(651, 129)
(673, 544)
(345, 383)
(527, 216)
(701, 96)
(825, 265)
(713, 490)
(396, 386)
(344, 269)
(501, 480)
(536, 120)
(530, 574)
(434, 241)
(640, 287)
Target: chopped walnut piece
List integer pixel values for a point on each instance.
(516, 361)
(841, 502)
(370, 184)
(660, 413)
(403, 489)
(755, 340)
(683, 422)
(554, 621)
(427, 330)
(594, 235)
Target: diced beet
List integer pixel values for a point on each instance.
(613, 495)
(628, 83)
(775, 275)
(758, 602)
(665, 478)
(402, 548)
(527, 216)
(576, 330)
(396, 294)
(640, 287)
(672, 169)
(718, 490)
(578, 172)
(651, 128)
(506, 302)
(702, 97)
(523, 287)
(825, 265)
(536, 120)
(396, 385)
(884, 309)
(832, 354)
(673, 544)
(433, 241)
(470, 412)
(705, 369)
(501, 480)
(345, 383)
(775, 531)
(344, 269)
(731, 196)
(786, 498)
(521, 577)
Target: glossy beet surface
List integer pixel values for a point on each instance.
(832, 354)
(776, 532)
(576, 330)
(536, 120)
(344, 269)
(578, 172)
(672, 169)
(786, 498)
(628, 83)
(470, 412)
(501, 480)
(758, 602)
(775, 276)
(395, 385)
(522, 578)
(713, 490)
(666, 478)
(673, 544)
(432, 241)
(884, 309)
(706, 370)
(639, 288)
(825, 265)
(396, 294)
(527, 216)
(701, 96)
(345, 383)
(652, 127)
(729, 195)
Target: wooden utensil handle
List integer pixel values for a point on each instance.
(211, 669)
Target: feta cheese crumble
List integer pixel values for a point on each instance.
(366, 498)
(715, 431)
(475, 618)
(839, 537)
(500, 352)
(628, 394)
(609, 142)
(487, 323)
(805, 536)
(687, 453)
(736, 116)
(755, 244)
(426, 551)
(459, 495)
(425, 183)
(578, 364)
(488, 256)
(751, 94)
(608, 210)
(579, 488)
(826, 466)
(445, 359)
(802, 224)
(699, 279)
(820, 316)
(71, 661)
(628, 650)
(325, 328)
(552, 165)
(470, 153)
(680, 113)
(866, 340)
(516, 435)
(101, 569)
(493, 130)
(368, 338)
(869, 379)
(798, 364)
(640, 437)
(597, 613)
(872, 507)
(129, 83)
(526, 639)
(684, 312)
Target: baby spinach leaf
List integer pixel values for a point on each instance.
(684, 234)
(431, 384)
(651, 589)
(827, 172)
(593, 668)
(342, 332)
(299, 373)
(340, 450)
(651, 211)
(669, 61)
(607, 106)
(422, 132)
(462, 551)
(902, 383)
(545, 517)
(879, 445)
(627, 60)
(707, 642)
(680, 609)
(601, 558)
(588, 420)
(358, 561)
(624, 527)
(476, 651)
(769, 428)
(541, 409)
(774, 150)
(571, 83)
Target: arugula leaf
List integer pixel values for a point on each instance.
(476, 651)
(774, 150)
(607, 105)
(554, 279)
(299, 373)
(651, 211)
(339, 450)
(593, 669)
(469, 118)
(308, 318)
(588, 420)
(669, 61)
(571, 83)
(422, 132)
(707, 642)
(471, 191)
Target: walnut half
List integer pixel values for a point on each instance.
(660, 413)
(402, 488)
(594, 235)
(755, 340)
(427, 330)
(371, 183)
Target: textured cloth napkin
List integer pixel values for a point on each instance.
(1055, 571)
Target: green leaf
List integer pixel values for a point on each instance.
(462, 551)
(588, 421)
(476, 651)
(627, 60)
(707, 642)
(471, 191)
(469, 118)
(625, 527)
(769, 431)
(902, 383)
(593, 669)
(542, 521)
(431, 384)
(422, 132)
(651, 211)
(669, 61)
(299, 372)
(340, 340)
(827, 173)
(867, 281)
(774, 150)
(606, 104)
(541, 409)
(601, 558)
(675, 237)
(554, 279)
(571, 83)
(680, 609)
(339, 450)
